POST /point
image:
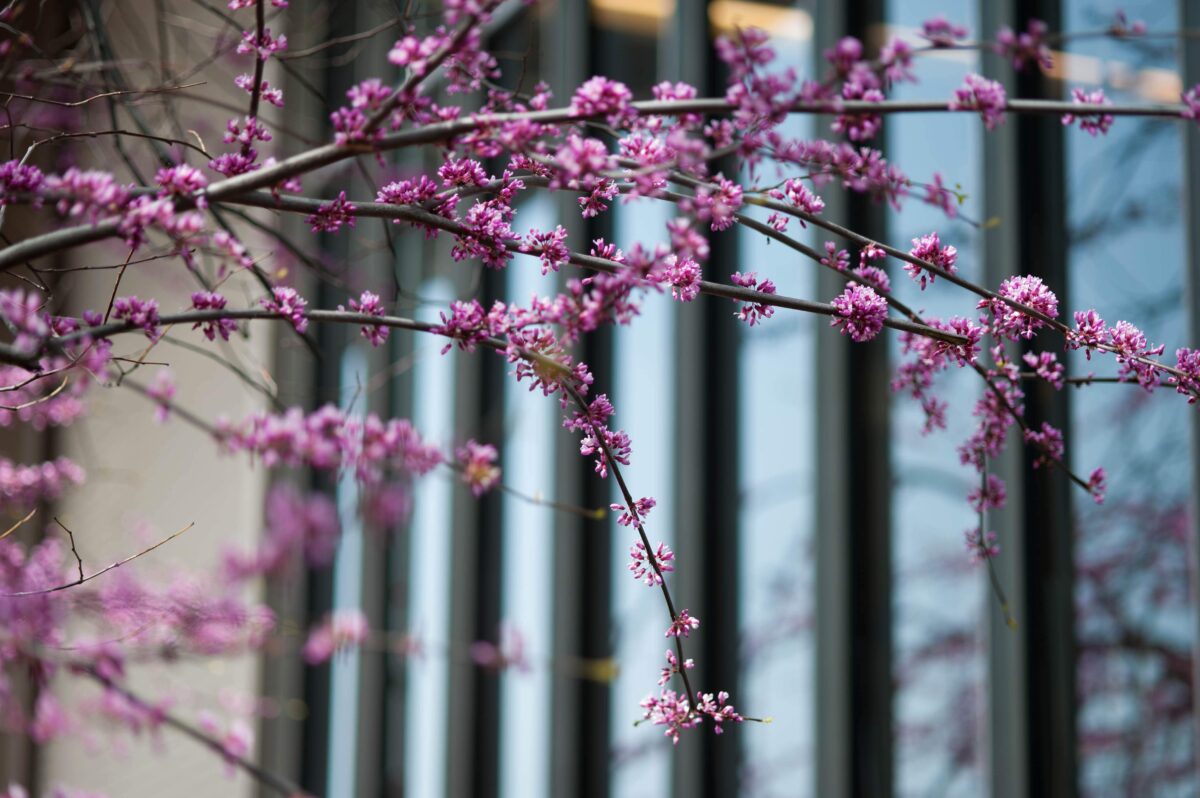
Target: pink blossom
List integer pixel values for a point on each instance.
(370, 304)
(21, 313)
(938, 195)
(601, 96)
(162, 391)
(1026, 48)
(753, 312)
(1046, 366)
(263, 46)
(1187, 361)
(990, 496)
(508, 653)
(672, 667)
(550, 246)
(1097, 484)
(941, 32)
(142, 313)
(1132, 351)
(682, 625)
(1090, 331)
(1191, 103)
(683, 275)
(479, 469)
(18, 178)
(983, 95)
(338, 631)
(300, 528)
(981, 546)
(672, 710)
(204, 300)
(716, 204)
(1029, 291)
(861, 312)
(929, 249)
(24, 486)
(649, 567)
(330, 216)
(287, 302)
(1092, 123)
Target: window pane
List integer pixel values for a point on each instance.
(1127, 260)
(777, 463)
(939, 595)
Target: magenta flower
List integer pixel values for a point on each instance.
(981, 546)
(479, 469)
(649, 567)
(861, 312)
(990, 496)
(672, 667)
(601, 96)
(18, 178)
(1090, 332)
(983, 95)
(641, 509)
(941, 32)
(1026, 48)
(1092, 123)
(929, 249)
(1187, 361)
(339, 631)
(683, 625)
(938, 195)
(683, 275)
(330, 216)
(21, 313)
(753, 312)
(1191, 102)
(550, 246)
(162, 391)
(203, 300)
(1028, 290)
(370, 304)
(285, 301)
(136, 312)
(672, 710)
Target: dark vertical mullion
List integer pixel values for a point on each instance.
(869, 497)
(707, 483)
(579, 755)
(1190, 20)
(485, 768)
(1048, 532)
(854, 562)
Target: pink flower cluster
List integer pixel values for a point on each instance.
(929, 249)
(1093, 124)
(983, 95)
(299, 529)
(27, 485)
(753, 312)
(330, 216)
(338, 631)
(330, 439)
(479, 469)
(370, 304)
(649, 567)
(674, 711)
(1025, 49)
(287, 302)
(861, 312)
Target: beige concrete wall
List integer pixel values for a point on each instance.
(146, 480)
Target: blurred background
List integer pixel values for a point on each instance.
(819, 535)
